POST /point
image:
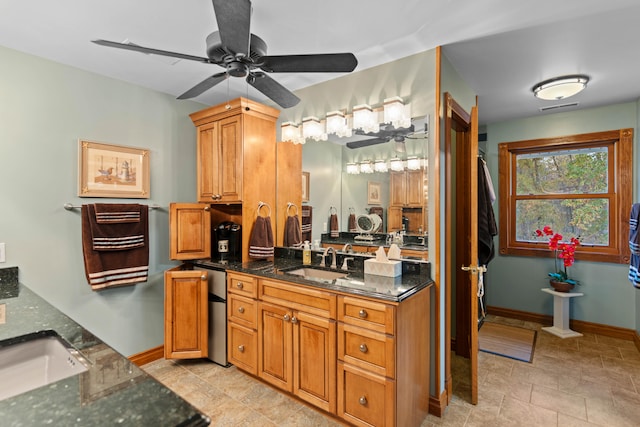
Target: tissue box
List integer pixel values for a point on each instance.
(387, 268)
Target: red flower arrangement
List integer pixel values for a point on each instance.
(561, 250)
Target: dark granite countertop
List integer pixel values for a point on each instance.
(415, 275)
(411, 242)
(112, 392)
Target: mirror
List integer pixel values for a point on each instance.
(330, 185)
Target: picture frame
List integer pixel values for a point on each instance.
(374, 193)
(107, 170)
(305, 186)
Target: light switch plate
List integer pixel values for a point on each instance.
(3, 311)
(3, 256)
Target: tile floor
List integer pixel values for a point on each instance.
(588, 381)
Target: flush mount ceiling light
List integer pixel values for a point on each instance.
(560, 87)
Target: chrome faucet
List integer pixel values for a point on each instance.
(345, 263)
(348, 247)
(333, 258)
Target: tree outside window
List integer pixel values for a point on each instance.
(580, 185)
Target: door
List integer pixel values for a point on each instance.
(185, 314)
(190, 231)
(461, 228)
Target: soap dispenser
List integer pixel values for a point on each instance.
(306, 253)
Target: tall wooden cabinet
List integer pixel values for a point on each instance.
(407, 198)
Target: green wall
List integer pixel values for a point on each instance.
(45, 107)
(515, 282)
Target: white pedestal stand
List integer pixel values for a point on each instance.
(561, 314)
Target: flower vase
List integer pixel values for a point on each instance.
(559, 286)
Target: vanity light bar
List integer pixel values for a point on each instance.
(382, 166)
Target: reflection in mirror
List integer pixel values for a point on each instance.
(370, 191)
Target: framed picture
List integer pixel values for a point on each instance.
(305, 186)
(106, 170)
(374, 196)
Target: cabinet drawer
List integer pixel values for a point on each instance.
(365, 399)
(243, 347)
(242, 310)
(369, 350)
(367, 314)
(297, 297)
(242, 285)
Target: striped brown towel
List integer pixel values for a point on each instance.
(292, 232)
(261, 239)
(334, 231)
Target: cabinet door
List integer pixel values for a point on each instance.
(207, 163)
(415, 188)
(190, 231)
(274, 350)
(230, 163)
(394, 219)
(398, 189)
(314, 360)
(185, 314)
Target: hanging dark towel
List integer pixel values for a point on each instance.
(261, 240)
(115, 253)
(634, 245)
(307, 213)
(487, 227)
(109, 213)
(333, 226)
(352, 223)
(292, 232)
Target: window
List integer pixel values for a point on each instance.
(580, 185)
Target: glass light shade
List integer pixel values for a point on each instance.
(337, 124)
(366, 167)
(313, 129)
(560, 87)
(291, 132)
(353, 169)
(365, 118)
(413, 163)
(396, 165)
(396, 113)
(380, 166)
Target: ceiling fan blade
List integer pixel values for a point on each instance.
(148, 50)
(204, 85)
(318, 63)
(274, 90)
(234, 21)
(365, 142)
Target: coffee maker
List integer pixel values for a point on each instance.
(227, 245)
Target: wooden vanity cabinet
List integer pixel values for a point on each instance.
(185, 314)
(242, 321)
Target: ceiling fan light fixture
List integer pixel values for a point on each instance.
(560, 87)
(312, 129)
(397, 113)
(365, 118)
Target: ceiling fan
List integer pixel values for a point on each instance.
(387, 133)
(243, 54)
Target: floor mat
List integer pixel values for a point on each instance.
(508, 341)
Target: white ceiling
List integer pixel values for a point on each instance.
(500, 47)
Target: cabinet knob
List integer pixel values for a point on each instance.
(362, 400)
(241, 309)
(241, 348)
(240, 285)
(203, 277)
(207, 208)
(363, 313)
(286, 317)
(363, 348)
(294, 319)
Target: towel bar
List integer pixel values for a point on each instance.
(69, 206)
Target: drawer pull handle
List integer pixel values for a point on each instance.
(241, 348)
(241, 310)
(294, 319)
(363, 313)
(362, 400)
(363, 348)
(240, 285)
(286, 317)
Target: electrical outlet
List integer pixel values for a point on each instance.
(3, 254)
(324, 227)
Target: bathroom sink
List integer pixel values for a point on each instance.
(414, 247)
(317, 274)
(34, 360)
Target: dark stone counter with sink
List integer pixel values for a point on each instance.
(112, 391)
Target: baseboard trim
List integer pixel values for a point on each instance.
(147, 356)
(576, 325)
(437, 405)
